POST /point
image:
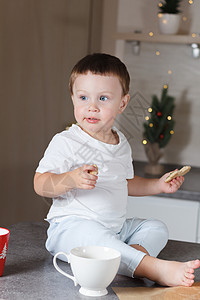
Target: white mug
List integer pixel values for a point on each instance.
(94, 268)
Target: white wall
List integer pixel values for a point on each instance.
(148, 74)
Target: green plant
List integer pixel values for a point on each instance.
(159, 126)
(169, 6)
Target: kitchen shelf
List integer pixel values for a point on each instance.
(158, 38)
(192, 40)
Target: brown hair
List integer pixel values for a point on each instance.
(101, 64)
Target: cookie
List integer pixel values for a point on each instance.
(94, 172)
(184, 170)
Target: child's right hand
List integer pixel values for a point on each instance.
(82, 179)
(53, 185)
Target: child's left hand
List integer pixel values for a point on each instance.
(172, 186)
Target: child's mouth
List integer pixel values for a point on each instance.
(92, 120)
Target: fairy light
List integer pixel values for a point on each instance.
(144, 142)
(160, 15)
(150, 124)
(147, 118)
(171, 131)
(165, 86)
(160, 4)
(169, 118)
(150, 109)
(169, 72)
(184, 18)
(150, 33)
(194, 35)
(157, 52)
(190, 1)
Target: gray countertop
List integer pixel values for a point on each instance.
(29, 272)
(190, 190)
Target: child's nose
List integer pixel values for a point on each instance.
(93, 107)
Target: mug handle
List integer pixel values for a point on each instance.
(61, 271)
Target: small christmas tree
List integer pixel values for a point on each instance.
(159, 126)
(3, 253)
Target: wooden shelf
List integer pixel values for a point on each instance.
(158, 38)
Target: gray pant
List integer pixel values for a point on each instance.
(76, 231)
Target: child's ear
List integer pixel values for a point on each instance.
(124, 102)
(72, 97)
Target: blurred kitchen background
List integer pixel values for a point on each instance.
(40, 42)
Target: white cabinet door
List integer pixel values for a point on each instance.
(180, 216)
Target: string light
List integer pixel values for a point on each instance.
(160, 15)
(165, 86)
(184, 18)
(144, 142)
(190, 1)
(194, 35)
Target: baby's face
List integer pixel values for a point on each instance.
(97, 100)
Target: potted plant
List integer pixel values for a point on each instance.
(158, 130)
(169, 16)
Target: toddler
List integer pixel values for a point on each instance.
(88, 172)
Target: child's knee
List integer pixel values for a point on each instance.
(163, 232)
(156, 237)
(160, 235)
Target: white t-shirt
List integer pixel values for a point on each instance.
(107, 202)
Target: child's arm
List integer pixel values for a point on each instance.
(53, 185)
(139, 186)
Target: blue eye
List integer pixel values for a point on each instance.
(103, 98)
(83, 98)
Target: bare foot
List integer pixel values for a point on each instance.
(167, 273)
(178, 273)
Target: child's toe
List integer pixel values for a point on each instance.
(188, 282)
(189, 276)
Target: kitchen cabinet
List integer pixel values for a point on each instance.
(180, 216)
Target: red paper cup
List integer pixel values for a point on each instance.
(4, 238)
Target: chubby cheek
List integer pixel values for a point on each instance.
(109, 115)
(78, 113)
